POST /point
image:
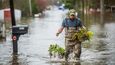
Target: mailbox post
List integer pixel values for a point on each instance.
(16, 30)
(13, 24)
(12, 12)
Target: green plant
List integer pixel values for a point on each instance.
(82, 35)
(56, 49)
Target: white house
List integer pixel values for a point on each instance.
(5, 13)
(4, 16)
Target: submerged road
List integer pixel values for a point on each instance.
(33, 47)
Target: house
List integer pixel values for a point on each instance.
(5, 14)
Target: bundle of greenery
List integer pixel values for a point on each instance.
(82, 35)
(56, 50)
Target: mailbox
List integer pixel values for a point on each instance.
(20, 29)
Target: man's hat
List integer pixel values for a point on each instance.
(72, 14)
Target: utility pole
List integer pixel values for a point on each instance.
(15, 46)
(12, 12)
(102, 11)
(83, 4)
(30, 7)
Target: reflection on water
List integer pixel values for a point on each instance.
(15, 60)
(77, 63)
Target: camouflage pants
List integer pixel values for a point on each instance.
(73, 46)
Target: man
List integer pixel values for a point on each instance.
(71, 25)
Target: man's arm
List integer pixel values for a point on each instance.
(59, 31)
(61, 28)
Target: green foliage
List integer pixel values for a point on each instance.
(34, 7)
(54, 48)
(0, 5)
(82, 35)
(23, 5)
(69, 6)
(61, 50)
(69, 3)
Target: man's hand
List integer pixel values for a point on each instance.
(57, 34)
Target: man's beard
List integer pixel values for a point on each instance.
(72, 19)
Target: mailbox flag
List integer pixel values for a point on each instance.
(14, 38)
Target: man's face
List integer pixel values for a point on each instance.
(72, 16)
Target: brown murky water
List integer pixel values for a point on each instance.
(34, 45)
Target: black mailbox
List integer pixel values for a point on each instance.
(20, 29)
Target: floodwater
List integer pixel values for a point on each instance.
(33, 47)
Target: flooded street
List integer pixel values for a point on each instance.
(33, 47)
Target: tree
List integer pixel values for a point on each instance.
(35, 9)
(0, 4)
(24, 6)
(42, 4)
(70, 4)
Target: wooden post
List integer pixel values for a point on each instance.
(4, 30)
(30, 7)
(102, 11)
(83, 10)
